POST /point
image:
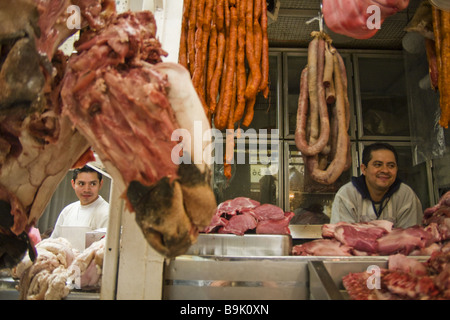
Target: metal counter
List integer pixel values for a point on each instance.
(259, 267)
(247, 245)
(8, 291)
(261, 278)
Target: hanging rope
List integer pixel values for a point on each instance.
(318, 18)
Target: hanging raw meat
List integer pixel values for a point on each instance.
(116, 96)
(128, 104)
(37, 145)
(358, 18)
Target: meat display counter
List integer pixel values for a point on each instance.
(260, 267)
(263, 277)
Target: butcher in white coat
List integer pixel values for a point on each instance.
(91, 211)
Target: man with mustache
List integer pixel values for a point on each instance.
(92, 210)
(378, 193)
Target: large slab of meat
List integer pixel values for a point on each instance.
(114, 95)
(243, 215)
(128, 104)
(356, 18)
(405, 279)
(37, 145)
(379, 238)
(370, 239)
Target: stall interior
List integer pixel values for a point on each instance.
(386, 105)
(379, 112)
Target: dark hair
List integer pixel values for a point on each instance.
(86, 169)
(367, 152)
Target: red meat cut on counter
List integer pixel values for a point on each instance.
(233, 206)
(275, 226)
(239, 224)
(322, 247)
(243, 215)
(360, 236)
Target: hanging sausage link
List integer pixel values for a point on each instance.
(323, 113)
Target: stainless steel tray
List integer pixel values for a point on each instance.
(325, 276)
(306, 231)
(260, 278)
(246, 245)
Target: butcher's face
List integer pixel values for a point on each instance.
(380, 172)
(86, 187)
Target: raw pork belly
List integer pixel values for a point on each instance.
(322, 247)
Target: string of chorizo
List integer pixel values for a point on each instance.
(240, 68)
(265, 51)
(191, 37)
(198, 59)
(212, 58)
(257, 50)
(312, 87)
(226, 31)
(205, 40)
(229, 153)
(230, 72)
(328, 69)
(221, 49)
(252, 86)
(444, 72)
(318, 110)
(302, 113)
(339, 162)
(322, 111)
(344, 85)
(182, 57)
(204, 52)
